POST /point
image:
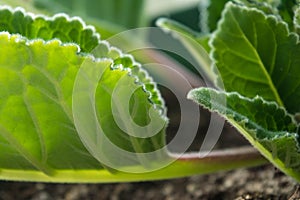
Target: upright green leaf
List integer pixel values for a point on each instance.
(210, 10)
(196, 44)
(253, 65)
(268, 127)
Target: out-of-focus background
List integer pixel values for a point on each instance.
(113, 17)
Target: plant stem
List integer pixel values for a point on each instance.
(186, 165)
(220, 160)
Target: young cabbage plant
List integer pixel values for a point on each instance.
(75, 109)
(254, 50)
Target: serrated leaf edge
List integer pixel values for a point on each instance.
(52, 18)
(214, 35)
(192, 96)
(255, 141)
(97, 35)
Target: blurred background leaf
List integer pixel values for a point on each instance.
(126, 13)
(28, 5)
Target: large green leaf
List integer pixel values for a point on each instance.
(37, 80)
(67, 30)
(267, 126)
(253, 65)
(30, 87)
(40, 80)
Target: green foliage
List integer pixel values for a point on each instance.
(68, 100)
(30, 88)
(267, 126)
(39, 61)
(287, 10)
(254, 114)
(254, 55)
(247, 60)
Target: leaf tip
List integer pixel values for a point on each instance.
(191, 94)
(161, 22)
(195, 94)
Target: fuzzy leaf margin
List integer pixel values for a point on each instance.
(267, 126)
(60, 26)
